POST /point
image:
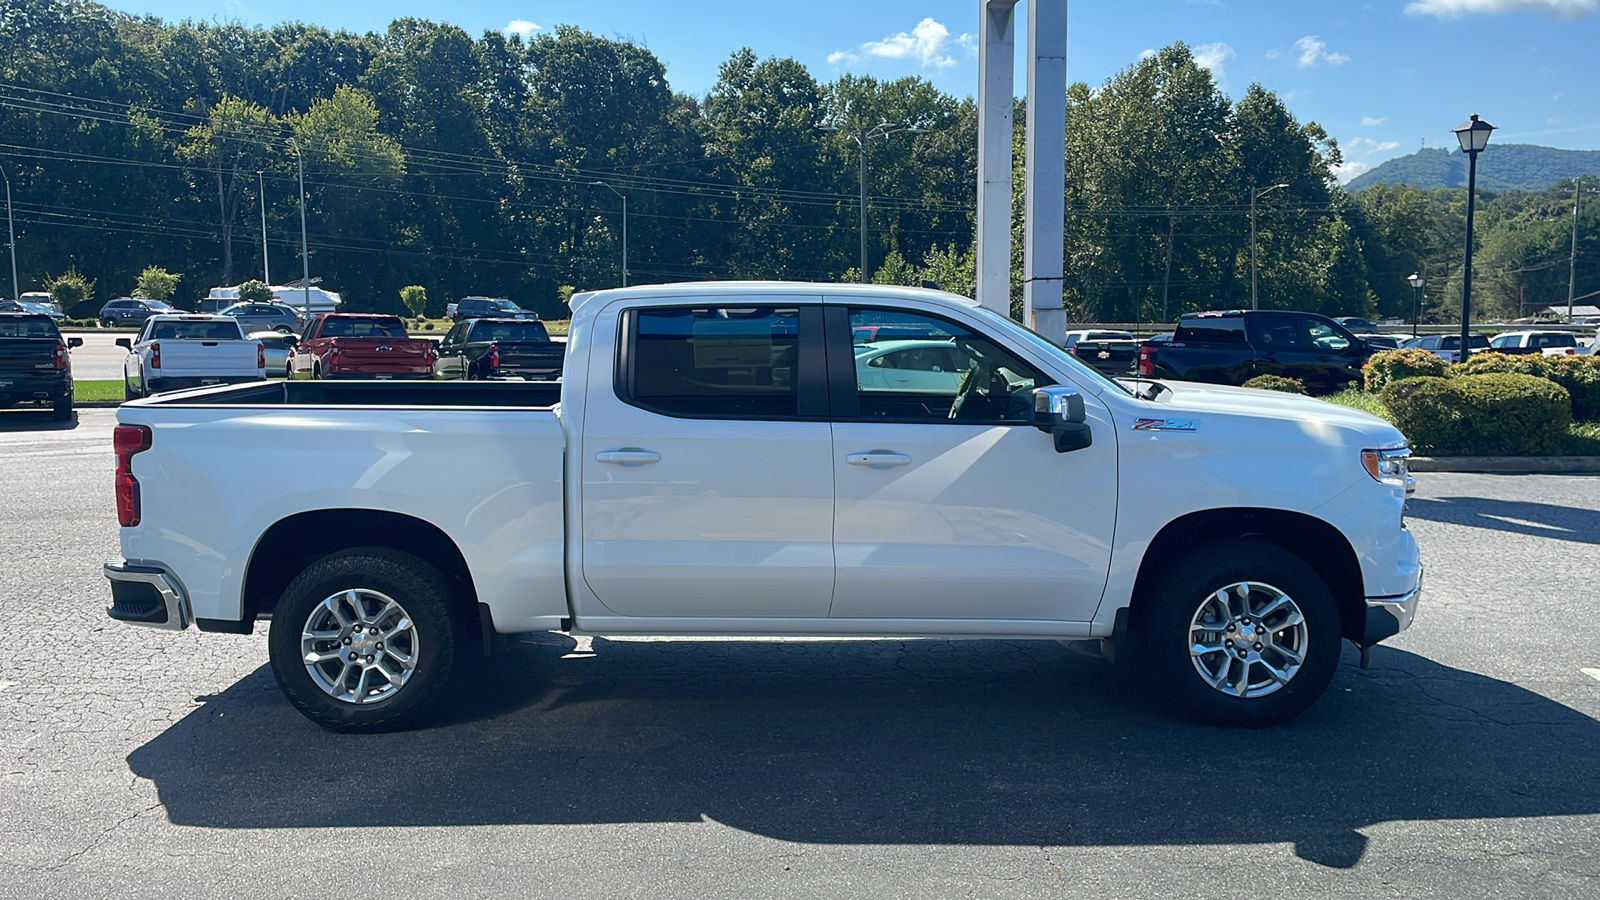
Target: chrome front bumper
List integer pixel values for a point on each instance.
(144, 593)
(1388, 616)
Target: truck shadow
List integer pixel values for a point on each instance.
(26, 419)
(1563, 523)
(924, 742)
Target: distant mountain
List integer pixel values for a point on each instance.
(1501, 167)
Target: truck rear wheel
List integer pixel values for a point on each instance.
(61, 410)
(366, 640)
(1240, 633)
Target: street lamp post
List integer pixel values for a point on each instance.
(11, 239)
(1256, 194)
(266, 267)
(624, 226)
(1572, 261)
(861, 136)
(1474, 136)
(1417, 284)
(305, 257)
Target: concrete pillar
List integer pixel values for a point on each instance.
(1044, 189)
(996, 56)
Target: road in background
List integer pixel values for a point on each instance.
(1464, 763)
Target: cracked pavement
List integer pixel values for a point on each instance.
(1464, 763)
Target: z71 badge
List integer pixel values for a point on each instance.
(1166, 425)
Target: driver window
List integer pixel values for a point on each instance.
(1324, 336)
(920, 368)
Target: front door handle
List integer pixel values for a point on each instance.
(878, 459)
(628, 456)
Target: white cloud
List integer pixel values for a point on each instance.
(1147, 52)
(1373, 121)
(1345, 172)
(1214, 57)
(1455, 9)
(521, 26)
(1552, 121)
(1368, 146)
(1314, 52)
(1274, 53)
(928, 43)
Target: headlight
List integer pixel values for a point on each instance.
(1389, 467)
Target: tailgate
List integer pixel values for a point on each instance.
(536, 358)
(186, 358)
(1108, 356)
(367, 351)
(27, 354)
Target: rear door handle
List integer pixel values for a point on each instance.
(628, 456)
(878, 459)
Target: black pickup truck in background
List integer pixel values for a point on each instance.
(1113, 353)
(34, 365)
(499, 348)
(1234, 346)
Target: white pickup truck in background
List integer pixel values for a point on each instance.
(716, 463)
(179, 351)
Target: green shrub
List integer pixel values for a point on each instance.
(156, 283)
(415, 298)
(1277, 383)
(1481, 415)
(70, 290)
(1580, 375)
(1387, 366)
(255, 291)
(1502, 364)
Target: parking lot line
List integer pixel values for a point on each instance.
(1592, 673)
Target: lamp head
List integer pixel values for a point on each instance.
(1474, 134)
(1417, 281)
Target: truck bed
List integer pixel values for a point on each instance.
(517, 394)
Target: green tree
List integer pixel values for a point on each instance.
(254, 291)
(70, 290)
(415, 298)
(156, 283)
(236, 140)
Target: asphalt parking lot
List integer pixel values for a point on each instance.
(1464, 763)
(99, 358)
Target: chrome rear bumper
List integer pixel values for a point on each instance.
(144, 593)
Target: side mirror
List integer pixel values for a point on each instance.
(74, 342)
(124, 343)
(1058, 411)
(290, 341)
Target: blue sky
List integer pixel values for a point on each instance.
(1382, 76)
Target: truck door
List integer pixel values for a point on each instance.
(707, 477)
(952, 505)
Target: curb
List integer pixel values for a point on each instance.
(96, 404)
(1508, 465)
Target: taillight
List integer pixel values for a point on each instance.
(1147, 361)
(155, 355)
(333, 353)
(61, 355)
(261, 356)
(128, 440)
(492, 358)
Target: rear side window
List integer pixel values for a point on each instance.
(715, 361)
(1211, 330)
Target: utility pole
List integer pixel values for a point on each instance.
(861, 136)
(1572, 260)
(11, 239)
(1166, 280)
(1256, 194)
(624, 226)
(266, 268)
(305, 256)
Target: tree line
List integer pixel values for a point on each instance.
(496, 165)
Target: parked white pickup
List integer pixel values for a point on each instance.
(178, 351)
(717, 465)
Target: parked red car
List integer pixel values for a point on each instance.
(360, 345)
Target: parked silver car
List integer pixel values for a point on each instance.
(265, 317)
(277, 347)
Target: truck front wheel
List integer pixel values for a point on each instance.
(1240, 633)
(366, 640)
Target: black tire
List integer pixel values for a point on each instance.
(1162, 625)
(442, 635)
(107, 323)
(61, 410)
(283, 329)
(128, 393)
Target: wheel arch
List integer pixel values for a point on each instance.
(1316, 542)
(293, 543)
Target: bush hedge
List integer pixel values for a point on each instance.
(1481, 415)
(1491, 363)
(1387, 366)
(1580, 375)
(1277, 383)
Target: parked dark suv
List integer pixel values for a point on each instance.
(483, 307)
(131, 311)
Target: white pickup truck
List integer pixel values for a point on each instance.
(179, 351)
(717, 461)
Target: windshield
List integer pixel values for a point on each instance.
(194, 331)
(1042, 345)
(28, 328)
(506, 305)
